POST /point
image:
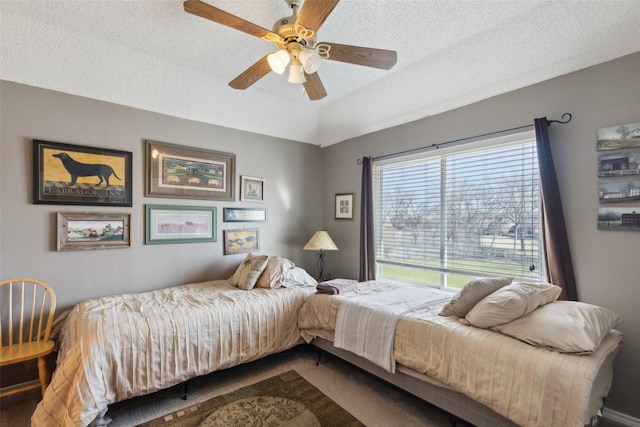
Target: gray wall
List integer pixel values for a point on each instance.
(606, 262)
(28, 231)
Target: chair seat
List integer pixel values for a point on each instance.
(26, 351)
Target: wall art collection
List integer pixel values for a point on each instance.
(68, 174)
(619, 177)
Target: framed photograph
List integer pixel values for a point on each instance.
(619, 190)
(621, 164)
(244, 214)
(88, 231)
(240, 241)
(177, 171)
(619, 137)
(180, 224)
(620, 219)
(344, 206)
(251, 189)
(66, 174)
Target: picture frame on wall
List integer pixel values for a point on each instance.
(252, 189)
(69, 174)
(619, 218)
(244, 214)
(89, 231)
(180, 224)
(344, 206)
(188, 172)
(619, 137)
(241, 241)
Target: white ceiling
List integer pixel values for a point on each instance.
(152, 55)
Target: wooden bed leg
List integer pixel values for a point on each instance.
(453, 421)
(185, 390)
(319, 361)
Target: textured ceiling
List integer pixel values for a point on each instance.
(152, 55)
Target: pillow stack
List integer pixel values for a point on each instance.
(530, 313)
(269, 272)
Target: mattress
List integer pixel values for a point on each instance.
(118, 347)
(528, 385)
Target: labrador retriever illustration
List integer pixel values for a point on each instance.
(77, 169)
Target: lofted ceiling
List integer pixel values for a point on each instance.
(152, 55)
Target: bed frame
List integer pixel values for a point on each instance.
(458, 405)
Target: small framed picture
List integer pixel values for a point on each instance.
(251, 189)
(88, 231)
(344, 206)
(244, 214)
(240, 241)
(180, 224)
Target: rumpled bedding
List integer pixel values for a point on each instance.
(118, 347)
(531, 386)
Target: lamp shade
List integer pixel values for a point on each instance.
(310, 61)
(296, 74)
(320, 241)
(278, 61)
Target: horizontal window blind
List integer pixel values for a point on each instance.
(466, 213)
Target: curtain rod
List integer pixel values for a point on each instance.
(438, 145)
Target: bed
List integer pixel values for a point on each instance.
(495, 374)
(117, 347)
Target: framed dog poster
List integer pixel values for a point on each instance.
(66, 174)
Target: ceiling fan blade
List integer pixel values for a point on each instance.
(214, 14)
(314, 12)
(251, 74)
(314, 87)
(367, 56)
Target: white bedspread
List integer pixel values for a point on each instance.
(366, 324)
(115, 348)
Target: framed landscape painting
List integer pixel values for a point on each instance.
(240, 241)
(180, 224)
(196, 173)
(67, 174)
(89, 231)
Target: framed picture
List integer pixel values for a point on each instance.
(240, 241)
(621, 164)
(619, 190)
(251, 189)
(88, 231)
(66, 174)
(619, 137)
(180, 224)
(177, 171)
(344, 206)
(620, 219)
(244, 214)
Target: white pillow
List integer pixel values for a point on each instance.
(511, 302)
(248, 271)
(298, 277)
(471, 293)
(564, 326)
(274, 272)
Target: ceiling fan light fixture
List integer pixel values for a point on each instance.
(310, 61)
(278, 61)
(296, 74)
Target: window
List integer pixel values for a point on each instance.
(445, 216)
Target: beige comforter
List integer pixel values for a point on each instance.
(115, 348)
(530, 386)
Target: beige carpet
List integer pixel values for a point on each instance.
(286, 400)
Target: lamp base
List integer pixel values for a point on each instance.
(320, 264)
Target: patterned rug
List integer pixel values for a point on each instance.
(284, 400)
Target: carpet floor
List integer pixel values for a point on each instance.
(371, 401)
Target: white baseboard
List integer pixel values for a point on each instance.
(620, 418)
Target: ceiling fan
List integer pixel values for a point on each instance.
(295, 38)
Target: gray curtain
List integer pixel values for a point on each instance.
(367, 238)
(558, 256)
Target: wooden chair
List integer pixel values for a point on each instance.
(26, 313)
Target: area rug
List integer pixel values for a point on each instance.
(284, 400)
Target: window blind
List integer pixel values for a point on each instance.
(443, 218)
